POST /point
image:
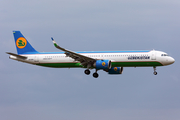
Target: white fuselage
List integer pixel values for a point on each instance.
(115, 57)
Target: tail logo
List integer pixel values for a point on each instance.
(21, 42)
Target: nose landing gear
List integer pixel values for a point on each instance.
(155, 73)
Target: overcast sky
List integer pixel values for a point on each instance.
(29, 92)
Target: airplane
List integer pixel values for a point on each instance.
(111, 62)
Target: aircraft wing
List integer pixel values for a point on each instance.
(84, 60)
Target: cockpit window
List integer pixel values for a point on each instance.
(164, 55)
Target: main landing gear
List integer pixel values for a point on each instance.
(87, 72)
(155, 73)
(95, 75)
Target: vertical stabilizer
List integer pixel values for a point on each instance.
(22, 45)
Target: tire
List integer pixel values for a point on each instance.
(155, 73)
(95, 75)
(87, 72)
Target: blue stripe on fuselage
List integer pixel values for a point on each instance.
(89, 52)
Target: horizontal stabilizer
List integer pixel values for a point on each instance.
(19, 56)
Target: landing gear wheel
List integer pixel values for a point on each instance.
(87, 72)
(95, 75)
(155, 73)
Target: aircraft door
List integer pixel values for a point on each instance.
(153, 55)
(36, 59)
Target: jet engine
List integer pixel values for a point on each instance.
(102, 64)
(115, 70)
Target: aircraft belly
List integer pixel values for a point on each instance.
(60, 65)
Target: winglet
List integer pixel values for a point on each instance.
(55, 44)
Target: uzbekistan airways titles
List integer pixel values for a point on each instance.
(138, 57)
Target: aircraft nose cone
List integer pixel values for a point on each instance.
(171, 60)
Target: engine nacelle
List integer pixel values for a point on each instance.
(102, 64)
(115, 70)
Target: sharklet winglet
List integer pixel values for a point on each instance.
(54, 42)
